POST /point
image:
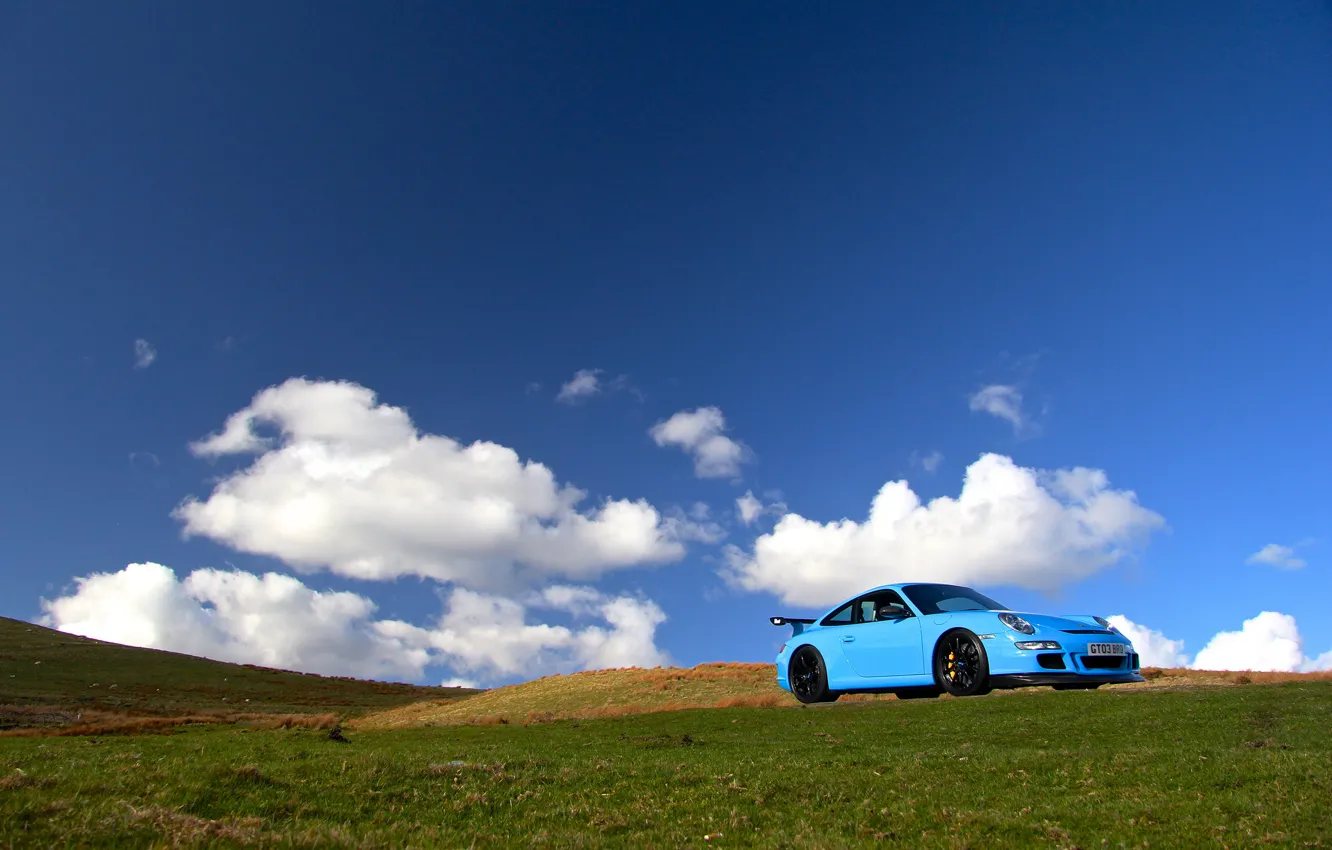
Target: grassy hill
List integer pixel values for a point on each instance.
(598, 693)
(616, 693)
(48, 677)
(1236, 766)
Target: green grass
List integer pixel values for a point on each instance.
(44, 667)
(1188, 767)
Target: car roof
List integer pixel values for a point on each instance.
(895, 586)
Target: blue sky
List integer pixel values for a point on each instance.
(835, 227)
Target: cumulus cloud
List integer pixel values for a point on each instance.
(1002, 401)
(699, 432)
(1269, 642)
(1275, 555)
(348, 484)
(276, 620)
(273, 620)
(1154, 648)
(144, 354)
(1009, 525)
(584, 384)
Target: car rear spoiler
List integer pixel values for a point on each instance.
(797, 625)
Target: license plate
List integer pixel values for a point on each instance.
(1107, 649)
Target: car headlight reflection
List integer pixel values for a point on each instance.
(1017, 624)
(1037, 644)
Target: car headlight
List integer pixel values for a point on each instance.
(1037, 644)
(1105, 624)
(1017, 624)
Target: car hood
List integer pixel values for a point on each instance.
(1049, 621)
(1040, 621)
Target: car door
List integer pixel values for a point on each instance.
(880, 648)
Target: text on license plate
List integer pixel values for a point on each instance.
(1106, 649)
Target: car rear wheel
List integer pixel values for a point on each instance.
(809, 677)
(961, 666)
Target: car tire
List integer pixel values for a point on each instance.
(808, 676)
(961, 665)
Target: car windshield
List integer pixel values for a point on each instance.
(946, 598)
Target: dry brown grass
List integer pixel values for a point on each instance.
(1158, 677)
(63, 722)
(180, 829)
(599, 693)
(634, 690)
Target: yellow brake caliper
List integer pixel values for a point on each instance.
(952, 668)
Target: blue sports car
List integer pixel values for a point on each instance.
(922, 640)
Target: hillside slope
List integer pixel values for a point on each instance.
(613, 693)
(599, 693)
(44, 667)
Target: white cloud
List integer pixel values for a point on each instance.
(1276, 556)
(749, 508)
(486, 635)
(929, 462)
(583, 384)
(1154, 648)
(1009, 525)
(459, 682)
(277, 621)
(1269, 641)
(144, 354)
(699, 432)
(696, 525)
(350, 485)
(1002, 401)
(273, 620)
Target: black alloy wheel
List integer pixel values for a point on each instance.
(961, 666)
(808, 677)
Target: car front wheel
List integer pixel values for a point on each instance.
(809, 677)
(961, 666)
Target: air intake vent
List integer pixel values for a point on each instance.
(1051, 661)
(1087, 632)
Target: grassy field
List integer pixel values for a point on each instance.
(1171, 767)
(50, 678)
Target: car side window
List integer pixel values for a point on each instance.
(869, 609)
(840, 617)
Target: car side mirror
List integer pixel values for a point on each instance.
(893, 612)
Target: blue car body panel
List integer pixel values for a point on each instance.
(886, 655)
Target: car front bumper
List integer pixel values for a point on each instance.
(1022, 680)
(1073, 663)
